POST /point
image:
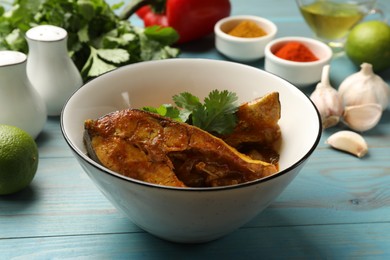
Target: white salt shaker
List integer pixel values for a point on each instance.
(49, 67)
(20, 103)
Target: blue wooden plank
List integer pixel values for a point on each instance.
(61, 200)
(51, 142)
(363, 241)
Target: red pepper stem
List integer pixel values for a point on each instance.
(131, 8)
(158, 6)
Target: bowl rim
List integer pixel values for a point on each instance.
(102, 168)
(219, 33)
(270, 55)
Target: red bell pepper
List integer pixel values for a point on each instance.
(192, 19)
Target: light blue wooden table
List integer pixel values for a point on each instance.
(338, 207)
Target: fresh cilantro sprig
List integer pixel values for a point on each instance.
(98, 40)
(188, 103)
(166, 110)
(217, 114)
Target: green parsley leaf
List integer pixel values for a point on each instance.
(95, 66)
(164, 35)
(216, 115)
(116, 56)
(83, 35)
(218, 112)
(187, 102)
(86, 9)
(166, 110)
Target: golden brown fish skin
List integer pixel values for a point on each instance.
(151, 142)
(257, 122)
(125, 146)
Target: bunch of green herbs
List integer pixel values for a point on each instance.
(98, 40)
(216, 115)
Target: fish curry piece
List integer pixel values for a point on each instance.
(257, 132)
(159, 150)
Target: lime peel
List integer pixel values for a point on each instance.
(19, 158)
(370, 42)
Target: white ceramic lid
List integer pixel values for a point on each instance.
(46, 33)
(11, 58)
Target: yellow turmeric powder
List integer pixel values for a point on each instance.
(247, 29)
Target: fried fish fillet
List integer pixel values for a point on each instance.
(156, 149)
(257, 122)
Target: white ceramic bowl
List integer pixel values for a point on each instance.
(190, 215)
(301, 74)
(238, 48)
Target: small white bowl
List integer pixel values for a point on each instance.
(239, 48)
(301, 74)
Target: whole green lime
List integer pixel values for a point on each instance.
(18, 159)
(370, 42)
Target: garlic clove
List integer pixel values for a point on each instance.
(327, 100)
(330, 121)
(348, 141)
(362, 117)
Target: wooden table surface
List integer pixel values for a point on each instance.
(338, 207)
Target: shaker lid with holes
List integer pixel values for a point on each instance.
(46, 33)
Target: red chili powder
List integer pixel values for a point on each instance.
(296, 51)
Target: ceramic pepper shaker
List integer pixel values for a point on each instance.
(20, 103)
(49, 67)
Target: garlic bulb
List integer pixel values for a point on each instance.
(327, 100)
(365, 87)
(365, 95)
(348, 141)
